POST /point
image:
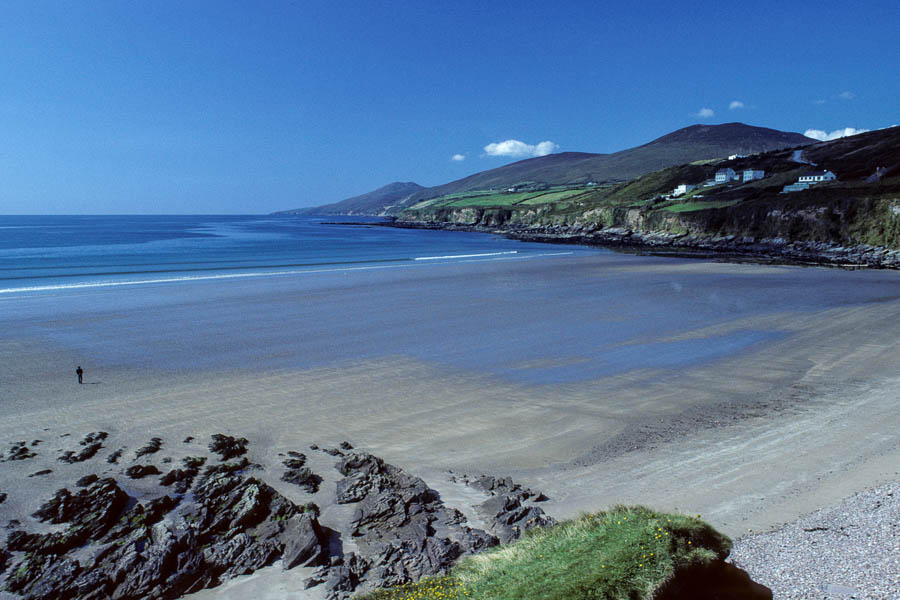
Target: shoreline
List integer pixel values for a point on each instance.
(786, 404)
(729, 248)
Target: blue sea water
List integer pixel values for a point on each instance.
(40, 253)
(171, 293)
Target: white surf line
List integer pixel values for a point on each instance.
(102, 284)
(452, 256)
(76, 286)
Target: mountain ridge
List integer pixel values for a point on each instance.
(685, 145)
(384, 197)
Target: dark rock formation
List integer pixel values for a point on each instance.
(228, 447)
(141, 471)
(87, 480)
(300, 475)
(158, 549)
(400, 525)
(506, 510)
(296, 460)
(304, 478)
(152, 447)
(91, 444)
(509, 518)
(70, 456)
(41, 472)
(19, 451)
(220, 522)
(183, 478)
(115, 456)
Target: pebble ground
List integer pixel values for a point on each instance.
(849, 551)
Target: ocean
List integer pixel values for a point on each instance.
(52, 253)
(262, 293)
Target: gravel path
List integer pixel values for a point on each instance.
(851, 550)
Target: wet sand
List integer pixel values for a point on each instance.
(750, 434)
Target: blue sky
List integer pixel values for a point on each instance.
(251, 107)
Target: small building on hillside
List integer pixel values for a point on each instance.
(817, 177)
(725, 175)
(737, 156)
(753, 174)
(709, 183)
(683, 189)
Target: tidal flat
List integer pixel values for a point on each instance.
(749, 394)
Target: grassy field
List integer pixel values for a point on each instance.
(626, 553)
(698, 205)
(502, 198)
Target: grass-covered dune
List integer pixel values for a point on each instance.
(626, 553)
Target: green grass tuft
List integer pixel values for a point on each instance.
(625, 553)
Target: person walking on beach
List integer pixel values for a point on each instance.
(80, 372)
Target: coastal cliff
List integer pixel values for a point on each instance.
(849, 231)
(853, 219)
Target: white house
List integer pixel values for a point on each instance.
(683, 189)
(725, 175)
(753, 174)
(736, 156)
(817, 177)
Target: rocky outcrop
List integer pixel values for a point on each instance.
(19, 451)
(132, 536)
(162, 547)
(90, 445)
(228, 447)
(183, 478)
(300, 475)
(403, 530)
(507, 511)
(680, 242)
(152, 447)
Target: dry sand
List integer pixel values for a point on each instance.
(749, 442)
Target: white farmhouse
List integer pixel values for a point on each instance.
(736, 156)
(683, 189)
(817, 177)
(725, 175)
(753, 174)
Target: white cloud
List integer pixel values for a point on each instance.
(515, 148)
(705, 113)
(847, 95)
(458, 157)
(735, 104)
(820, 102)
(824, 136)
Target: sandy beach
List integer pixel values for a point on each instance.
(775, 397)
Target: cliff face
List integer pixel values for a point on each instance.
(849, 220)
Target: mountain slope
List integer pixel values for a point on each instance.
(844, 221)
(372, 203)
(697, 142)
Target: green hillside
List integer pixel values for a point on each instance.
(694, 143)
(861, 207)
(627, 553)
(576, 169)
